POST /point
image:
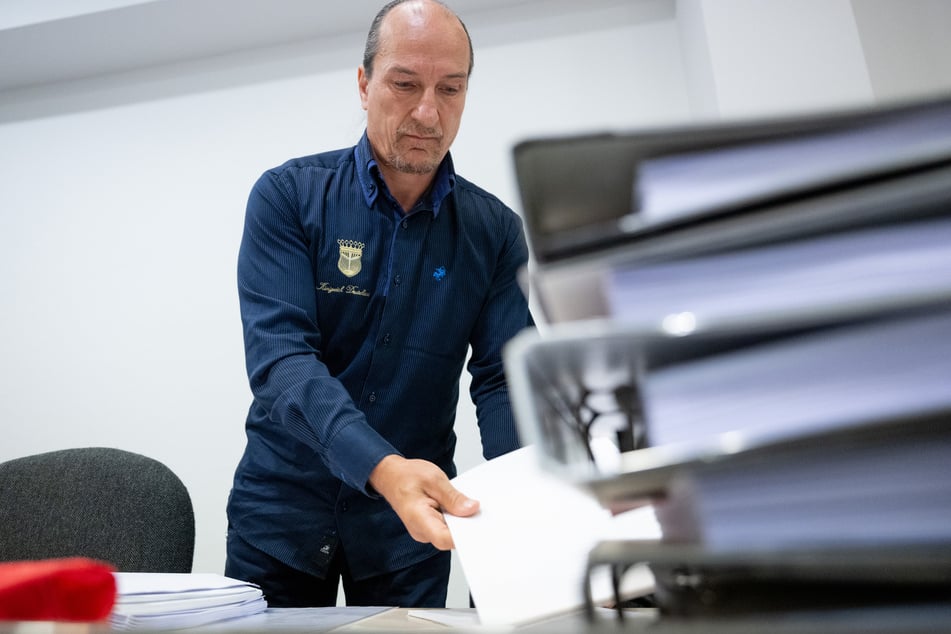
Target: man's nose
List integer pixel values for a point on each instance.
(427, 110)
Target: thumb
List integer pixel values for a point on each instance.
(454, 502)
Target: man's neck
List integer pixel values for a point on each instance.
(407, 189)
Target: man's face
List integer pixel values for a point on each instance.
(415, 97)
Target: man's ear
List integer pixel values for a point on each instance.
(362, 82)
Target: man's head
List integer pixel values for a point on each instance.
(413, 83)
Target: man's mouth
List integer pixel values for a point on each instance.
(421, 137)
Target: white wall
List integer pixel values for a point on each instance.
(766, 57)
(122, 206)
(907, 46)
(754, 58)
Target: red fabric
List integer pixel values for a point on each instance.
(70, 589)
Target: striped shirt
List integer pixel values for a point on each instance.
(357, 323)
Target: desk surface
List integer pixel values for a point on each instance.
(924, 619)
(379, 619)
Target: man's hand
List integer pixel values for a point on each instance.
(419, 491)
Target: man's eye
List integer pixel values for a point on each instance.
(403, 85)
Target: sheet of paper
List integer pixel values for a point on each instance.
(459, 619)
(186, 602)
(300, 620)
(136, 583)
(525, 553)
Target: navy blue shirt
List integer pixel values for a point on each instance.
(357, 322)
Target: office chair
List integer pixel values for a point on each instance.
(107, 504)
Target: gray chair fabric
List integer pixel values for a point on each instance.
(108, 504)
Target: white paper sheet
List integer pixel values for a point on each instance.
(525, 553)
(460, 619)
(130, 584)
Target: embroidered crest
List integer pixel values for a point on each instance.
(439, 273)
(350, 253)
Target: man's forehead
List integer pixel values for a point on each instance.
(416, 35)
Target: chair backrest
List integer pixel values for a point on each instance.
(108, 504)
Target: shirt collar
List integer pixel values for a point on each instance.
(371, 180)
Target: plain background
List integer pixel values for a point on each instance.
(124, 175)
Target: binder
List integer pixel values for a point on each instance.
(758, 588)
(857, 270)
(584, 392)
(581, 223)
(897, 557)
(570, 210)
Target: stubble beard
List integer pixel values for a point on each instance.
(402, 163)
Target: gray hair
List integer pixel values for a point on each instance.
(373, 37)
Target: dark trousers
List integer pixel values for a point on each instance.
(421, 585)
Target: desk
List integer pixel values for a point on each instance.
(908, 620)
(355, 620)
(922, 619)
(369, 620)
(465, 620)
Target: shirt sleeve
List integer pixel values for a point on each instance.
(282, 340)
(504, 315)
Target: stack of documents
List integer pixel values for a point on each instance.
(877, 487)
(700, 191)
(782, 388)
(169, 601)
(807, 280)
(755, 336)
(676, 186)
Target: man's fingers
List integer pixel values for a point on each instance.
(429, 527)
(440, 536)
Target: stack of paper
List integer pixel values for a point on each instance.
(808, 279)
(838, 377)
(174, 600)
(877, 487)
(678, 185)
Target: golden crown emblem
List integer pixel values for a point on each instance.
(350, 253)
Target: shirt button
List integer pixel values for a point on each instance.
(386, 339)
(372, 397)
(345, 507)
(398, 280)
(405, 224)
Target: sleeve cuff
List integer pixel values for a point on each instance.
(355, 451)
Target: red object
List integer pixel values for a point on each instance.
(70, 589)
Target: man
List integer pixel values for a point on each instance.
(364, 276)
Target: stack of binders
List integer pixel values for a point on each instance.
(750, 329)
